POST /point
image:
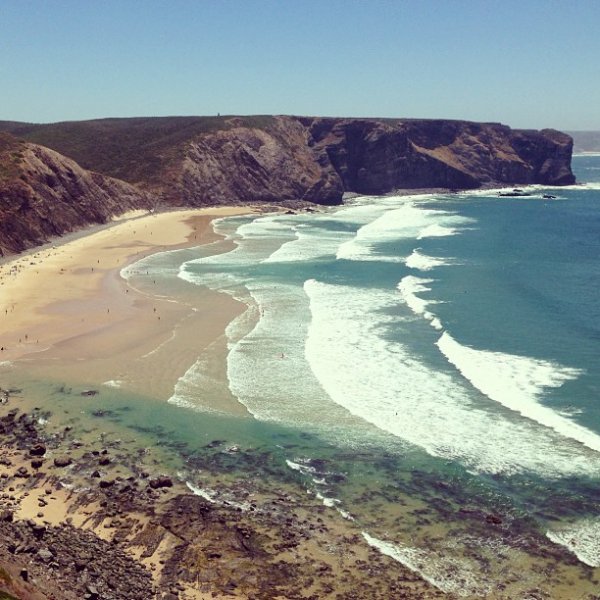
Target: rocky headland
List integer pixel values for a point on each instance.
(60, 177)
(100, 520)
(84, 516)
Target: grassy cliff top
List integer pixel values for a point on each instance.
(136, 150)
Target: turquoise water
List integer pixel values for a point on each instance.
(454, 336)
(464, 325)
(424, 365)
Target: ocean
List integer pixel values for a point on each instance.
(426, 366)
(442, 353)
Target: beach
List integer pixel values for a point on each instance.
(68, 302)
(199, 407)
(75, 483)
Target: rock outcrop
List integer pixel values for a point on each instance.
(44, 194)
(377, 156)
(200, 161)
(249, 164)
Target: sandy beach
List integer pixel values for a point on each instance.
(68, 302)
(68, 494)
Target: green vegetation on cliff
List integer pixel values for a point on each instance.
(61, 176)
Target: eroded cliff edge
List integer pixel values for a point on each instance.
(62, 176)
(43, 194)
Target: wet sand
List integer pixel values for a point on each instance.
(259, 537)
(67, 305)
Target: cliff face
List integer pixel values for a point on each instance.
(200, 161)
(374, 157)
(319, 159)
(245, 164)
(44, 194)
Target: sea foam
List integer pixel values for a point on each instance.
(383, 382)
(423, 262)
(405, 222)
(409, 287)
(450, 575)
(582, 538)
(312, 242)
(517, 382)
(270, 358)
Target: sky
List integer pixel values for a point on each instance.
(527, 63)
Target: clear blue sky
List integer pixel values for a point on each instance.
(525, 63)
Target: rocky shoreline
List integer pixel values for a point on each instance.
(98, 521)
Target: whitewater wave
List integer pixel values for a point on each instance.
(271, 358)
(382, 381)
(409, 287)
(448, 574)
(517, 382)
(436, 230)
(423, 262)
(582, 539)
(209, 495)
(309, 471)
(408, 221)
(311, 243)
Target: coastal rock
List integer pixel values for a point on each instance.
(160, 482)
(44, 194)
(62, 461)
(124, 164)
(45, 554)
(378, 156)
(37, 450)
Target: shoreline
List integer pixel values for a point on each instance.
(250, 528)
(102, 519)
(40, 292)
(116, 500)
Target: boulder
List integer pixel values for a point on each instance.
(37, 450)
(62, 461)
(160, 482)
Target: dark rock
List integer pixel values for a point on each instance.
(493, 519)
(22, 472)
(160, 482)
(62, 461)
(38, 450)
(38, 531)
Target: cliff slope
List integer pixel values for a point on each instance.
(207, 160)
(44, 194)
(198, 161)
(374, 157)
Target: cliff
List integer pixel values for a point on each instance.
(374, 157)
(44, 194)
(118, 164)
